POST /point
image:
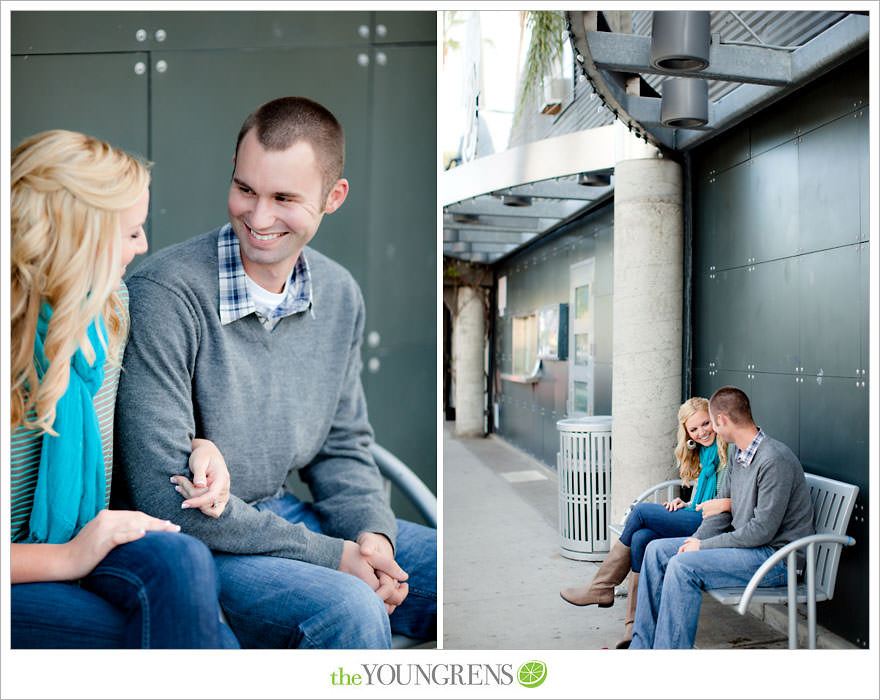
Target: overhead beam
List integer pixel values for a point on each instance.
(549, 189)
(631, 53)
(539, 208)
(831, 48)
(567, 154)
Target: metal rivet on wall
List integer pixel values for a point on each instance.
(373, 365)
(363, 31)
(381, 30)
(381, 58)
(140, 68)
(161, 66)
(141, 35)
(363, 59)
(160, 35)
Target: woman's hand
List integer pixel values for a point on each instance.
(108, 529)
(675, 504)
(714, 506)
(209, 489)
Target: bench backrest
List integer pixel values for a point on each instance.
(833, 503)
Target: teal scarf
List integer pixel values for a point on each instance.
(707, 481)
(70, 482)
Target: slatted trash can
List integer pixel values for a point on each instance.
(584, 467)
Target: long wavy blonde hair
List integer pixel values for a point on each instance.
(689, 460)
(68, 191)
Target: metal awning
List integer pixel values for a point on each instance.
(482, 223)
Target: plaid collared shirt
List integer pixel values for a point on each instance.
(236, 303)
(746, 456)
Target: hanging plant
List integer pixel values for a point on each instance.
(543, 56)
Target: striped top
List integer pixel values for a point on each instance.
(26, 444)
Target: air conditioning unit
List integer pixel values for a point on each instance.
(556, 92)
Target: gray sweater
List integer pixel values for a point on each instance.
(272, 402)
(769, 502)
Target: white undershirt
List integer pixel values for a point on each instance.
(265, 301)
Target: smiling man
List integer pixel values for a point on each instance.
(248, 337)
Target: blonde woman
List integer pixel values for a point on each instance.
(702, 456)
(83, 576)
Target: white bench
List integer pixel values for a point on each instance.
(833, 503)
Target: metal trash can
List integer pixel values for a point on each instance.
(584, 467)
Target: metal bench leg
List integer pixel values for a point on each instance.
(811, 594)
(792, 600)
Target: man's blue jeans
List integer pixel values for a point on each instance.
(651, 521)
(671, 588)
(159, 592)
(272, 602)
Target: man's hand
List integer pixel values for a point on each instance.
(391, 590)
(371, 560)
(691, 544)
(714, 506)
(209, 489)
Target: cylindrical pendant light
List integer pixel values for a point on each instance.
(685, 103)
(680, 40)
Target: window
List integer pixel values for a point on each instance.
(525, 344)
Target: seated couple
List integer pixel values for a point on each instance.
(758, 504)
(242, 348)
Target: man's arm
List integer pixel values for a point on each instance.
(774, 486)
(155, 425)
(714, 525)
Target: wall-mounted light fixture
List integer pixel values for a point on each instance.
(680, 40)
(594, 179)
(516, 200)
(685, 103)
(460, 218)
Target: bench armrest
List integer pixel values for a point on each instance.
(407, 481)
(789, 551)
(645, 495)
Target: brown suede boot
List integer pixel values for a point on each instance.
(631, 600)
(601, 589)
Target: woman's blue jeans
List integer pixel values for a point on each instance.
(651, 521)
(272, 602)
(159, 591)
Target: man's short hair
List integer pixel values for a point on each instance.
(733, 403)
(282, 122)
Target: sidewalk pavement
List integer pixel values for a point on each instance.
(503, 570)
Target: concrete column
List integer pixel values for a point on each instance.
(468, 340)
(647, 322)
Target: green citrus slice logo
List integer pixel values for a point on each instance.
(532, 673)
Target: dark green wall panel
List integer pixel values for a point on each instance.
(97, 94)
(405, 27)
(769, 223)
(831, 312)
(829, 168)
(401, 192)
(98, 32)
(780, 290)
(771, 329)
